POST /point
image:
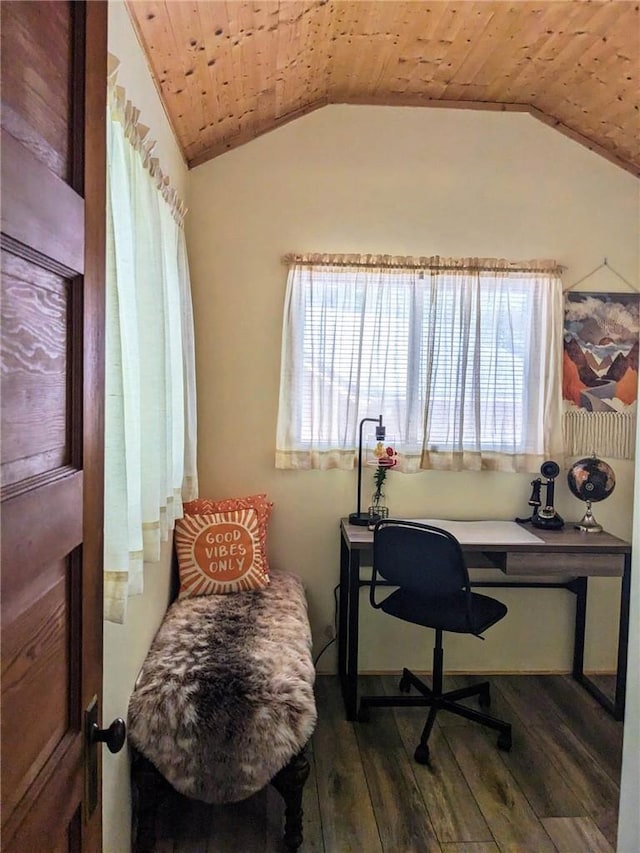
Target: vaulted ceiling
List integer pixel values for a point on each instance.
(228, 72)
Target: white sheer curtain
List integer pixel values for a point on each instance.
(150, 381)
(493, 368)
(462, 358)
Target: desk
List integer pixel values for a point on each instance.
(570, 553)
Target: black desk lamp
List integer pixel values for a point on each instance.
(362, 518)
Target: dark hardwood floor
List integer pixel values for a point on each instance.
(557, 790)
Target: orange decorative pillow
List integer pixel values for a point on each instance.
(220, 553)
(261, 504)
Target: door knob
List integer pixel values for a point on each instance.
(114, 736)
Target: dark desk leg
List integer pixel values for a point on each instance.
(579, 587)
(348, 627)
(343, 615)
(351, 681)
(623, 640)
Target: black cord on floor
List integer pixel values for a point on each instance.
(335, 626)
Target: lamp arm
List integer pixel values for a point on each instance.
(378, 421)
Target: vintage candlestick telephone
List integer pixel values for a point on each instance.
(545, 517)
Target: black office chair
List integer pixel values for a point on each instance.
(427, 566)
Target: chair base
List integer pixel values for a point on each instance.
(437, 700)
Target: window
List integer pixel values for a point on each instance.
(462, 358)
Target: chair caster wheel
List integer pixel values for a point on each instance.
(421, 755)
(363, 714)
(504, 741)
(404, 686)
(484, 699)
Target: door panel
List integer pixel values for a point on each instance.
(36, 106)
(35, 318)
(35, 663)
(53, 211)
(39, 210)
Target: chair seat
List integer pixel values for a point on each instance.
(447, 614)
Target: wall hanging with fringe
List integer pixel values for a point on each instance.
(600, 373)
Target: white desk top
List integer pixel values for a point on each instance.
(485, 532)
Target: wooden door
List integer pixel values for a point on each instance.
(53, 211)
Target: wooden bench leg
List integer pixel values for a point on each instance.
(149, 789)
(289, 783)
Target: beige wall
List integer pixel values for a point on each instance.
(397, 181)
(125, 646)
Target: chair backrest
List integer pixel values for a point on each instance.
(418, 557)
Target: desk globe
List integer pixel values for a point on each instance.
(590, 479)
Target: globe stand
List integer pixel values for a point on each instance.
(587, 523)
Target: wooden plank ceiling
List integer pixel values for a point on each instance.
(230, 71)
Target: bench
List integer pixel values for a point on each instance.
(224, 704)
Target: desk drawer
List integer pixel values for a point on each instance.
(539, 562)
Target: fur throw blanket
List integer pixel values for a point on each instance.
(225, 697)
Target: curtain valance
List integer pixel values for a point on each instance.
(433, 262)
